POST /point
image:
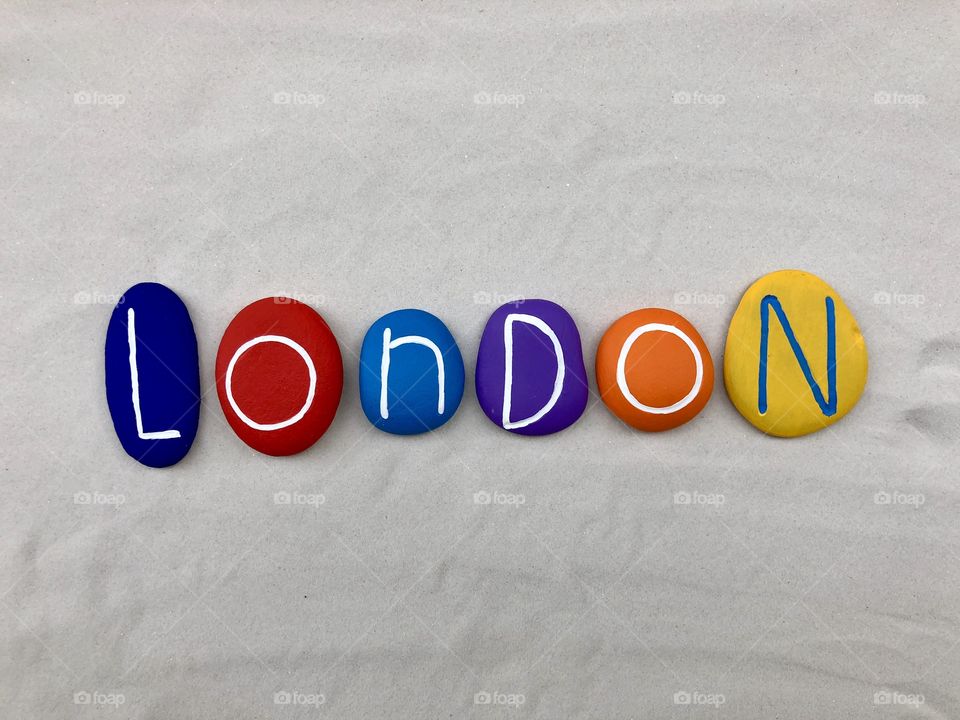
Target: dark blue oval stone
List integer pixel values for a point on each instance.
(153, 375)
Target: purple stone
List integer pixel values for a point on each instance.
(544, 396)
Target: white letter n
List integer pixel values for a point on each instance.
(389, 345)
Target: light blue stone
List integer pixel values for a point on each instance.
(411, 373)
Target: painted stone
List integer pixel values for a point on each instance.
(530, 375)
(411, 373)
(795, 360)
(152, 375)
(654, 371)
(279, 375)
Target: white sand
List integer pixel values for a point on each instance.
(384, 184)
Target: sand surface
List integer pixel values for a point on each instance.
(367, 157)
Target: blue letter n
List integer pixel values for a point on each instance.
(827, 406)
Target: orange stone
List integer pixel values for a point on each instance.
(654, 371)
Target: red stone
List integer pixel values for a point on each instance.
(265, 350)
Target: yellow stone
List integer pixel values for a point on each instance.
(795, 360)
